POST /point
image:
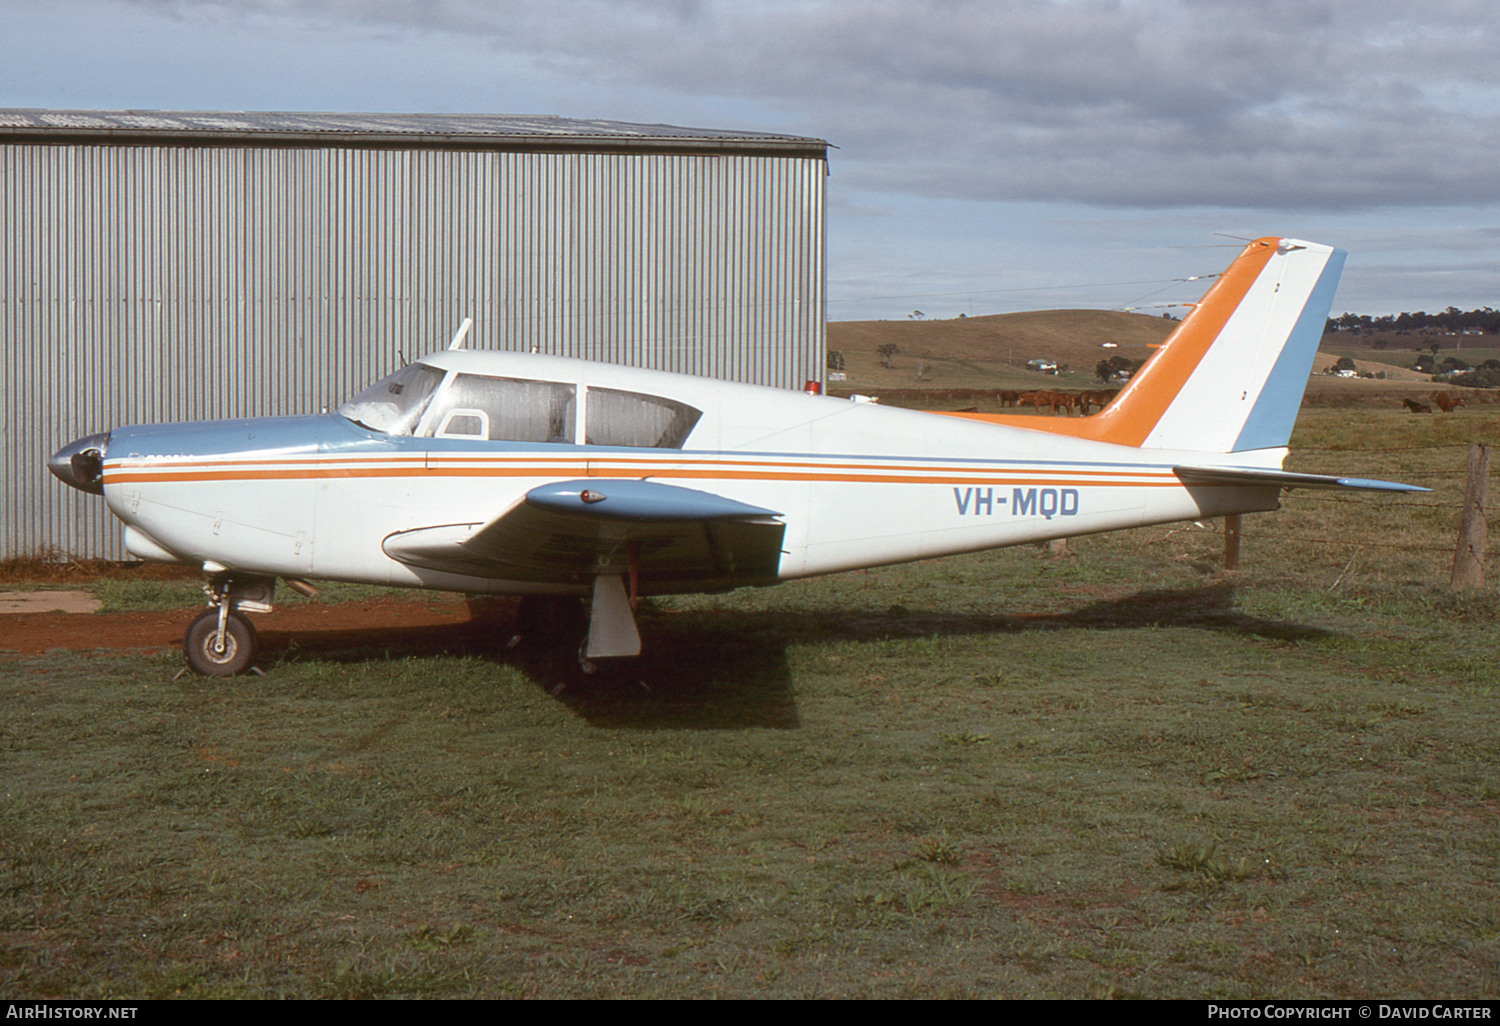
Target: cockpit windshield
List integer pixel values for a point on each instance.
(394, 404)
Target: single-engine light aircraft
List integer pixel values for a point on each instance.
(580, 486)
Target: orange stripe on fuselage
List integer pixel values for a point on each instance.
(185, 471)
(1130, 418)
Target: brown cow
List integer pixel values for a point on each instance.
(1416, 407)
(1056, 400)
(1446, 402)
(1100, 399)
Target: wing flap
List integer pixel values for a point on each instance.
(573, 531)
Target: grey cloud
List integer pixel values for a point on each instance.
(1336, 104)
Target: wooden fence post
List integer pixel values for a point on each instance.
(1468, 557)
(1232, 541)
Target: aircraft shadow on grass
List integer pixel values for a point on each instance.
(725, 669)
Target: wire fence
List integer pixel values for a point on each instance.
(1440, 480)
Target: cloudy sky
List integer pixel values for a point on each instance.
(991, 156)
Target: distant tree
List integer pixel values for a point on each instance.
(1345, 363)
(1450, 320)
(1116, 367)
(1484, 377)
(886, 352)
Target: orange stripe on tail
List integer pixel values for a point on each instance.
(1130, 419)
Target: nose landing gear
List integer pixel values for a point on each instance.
(220, 642)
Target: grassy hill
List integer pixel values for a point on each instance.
(991, 352)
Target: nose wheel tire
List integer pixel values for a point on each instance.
(206, 656)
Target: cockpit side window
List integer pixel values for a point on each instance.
(614, 417)
(503, 409)
(394, 404)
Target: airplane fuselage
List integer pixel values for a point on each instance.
(855, 484)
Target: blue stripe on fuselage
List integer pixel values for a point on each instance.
(289, 435)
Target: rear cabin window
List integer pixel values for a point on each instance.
(614, 417)
(503, 409)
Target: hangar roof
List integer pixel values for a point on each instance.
(463, 131)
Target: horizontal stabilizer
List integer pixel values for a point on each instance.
(1286, 479)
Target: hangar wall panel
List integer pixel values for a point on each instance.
(149, 283)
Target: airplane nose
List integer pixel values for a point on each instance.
(81, 463)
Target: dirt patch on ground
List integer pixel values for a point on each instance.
(424, 623)
(405, 627)
(48, 601)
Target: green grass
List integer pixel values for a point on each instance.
(1121, 773)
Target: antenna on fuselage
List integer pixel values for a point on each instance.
(463, 330)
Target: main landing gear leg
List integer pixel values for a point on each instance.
(612, 630)
(606, 631)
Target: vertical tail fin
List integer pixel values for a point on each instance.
(1231, 377)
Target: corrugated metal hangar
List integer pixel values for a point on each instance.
(160, 266)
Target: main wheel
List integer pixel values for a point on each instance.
(558, 618)
(205, 657)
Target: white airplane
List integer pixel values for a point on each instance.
(562, 480)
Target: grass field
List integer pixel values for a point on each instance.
(1119, 772)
